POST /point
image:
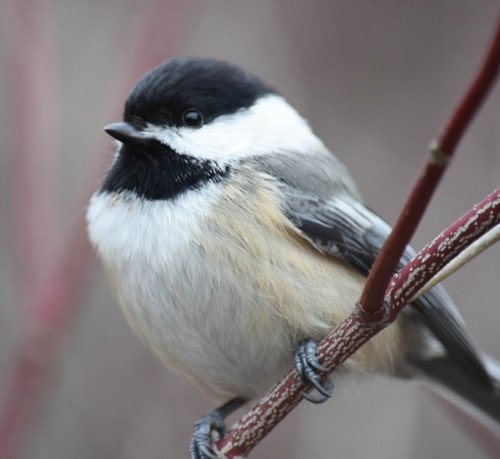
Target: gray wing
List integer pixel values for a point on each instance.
(322, 202)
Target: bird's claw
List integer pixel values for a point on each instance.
(201, 446)
(308, 367)
(326, 392)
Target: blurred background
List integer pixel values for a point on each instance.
(376, 79)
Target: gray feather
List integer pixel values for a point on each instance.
(321, 176)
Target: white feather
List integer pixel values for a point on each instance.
(123, 227)
(270, 125)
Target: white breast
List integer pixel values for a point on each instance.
(124, 228)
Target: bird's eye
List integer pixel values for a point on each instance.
(192, 118)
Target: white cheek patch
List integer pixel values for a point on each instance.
(270, 125)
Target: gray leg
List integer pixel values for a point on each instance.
(201, 446)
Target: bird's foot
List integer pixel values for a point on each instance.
(201, 446)
(308, 367)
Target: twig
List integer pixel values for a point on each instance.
(33, 117)
(463, 258)
(52, 306)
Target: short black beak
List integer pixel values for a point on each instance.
(125, 133)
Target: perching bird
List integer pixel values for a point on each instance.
(234, 240)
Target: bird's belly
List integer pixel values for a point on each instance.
(220, 331)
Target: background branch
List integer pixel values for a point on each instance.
(55, 268)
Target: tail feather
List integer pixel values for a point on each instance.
(444, 377)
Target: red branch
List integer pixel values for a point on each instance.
(52, 303)
(33, 141)
(444, 248)
(371, 314)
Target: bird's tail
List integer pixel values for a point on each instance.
(449, 381)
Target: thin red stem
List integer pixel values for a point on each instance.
(52, 303)
(33, 117)
(477, 92)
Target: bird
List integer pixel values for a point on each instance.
(234, 241)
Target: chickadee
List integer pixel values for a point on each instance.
(234, 240)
